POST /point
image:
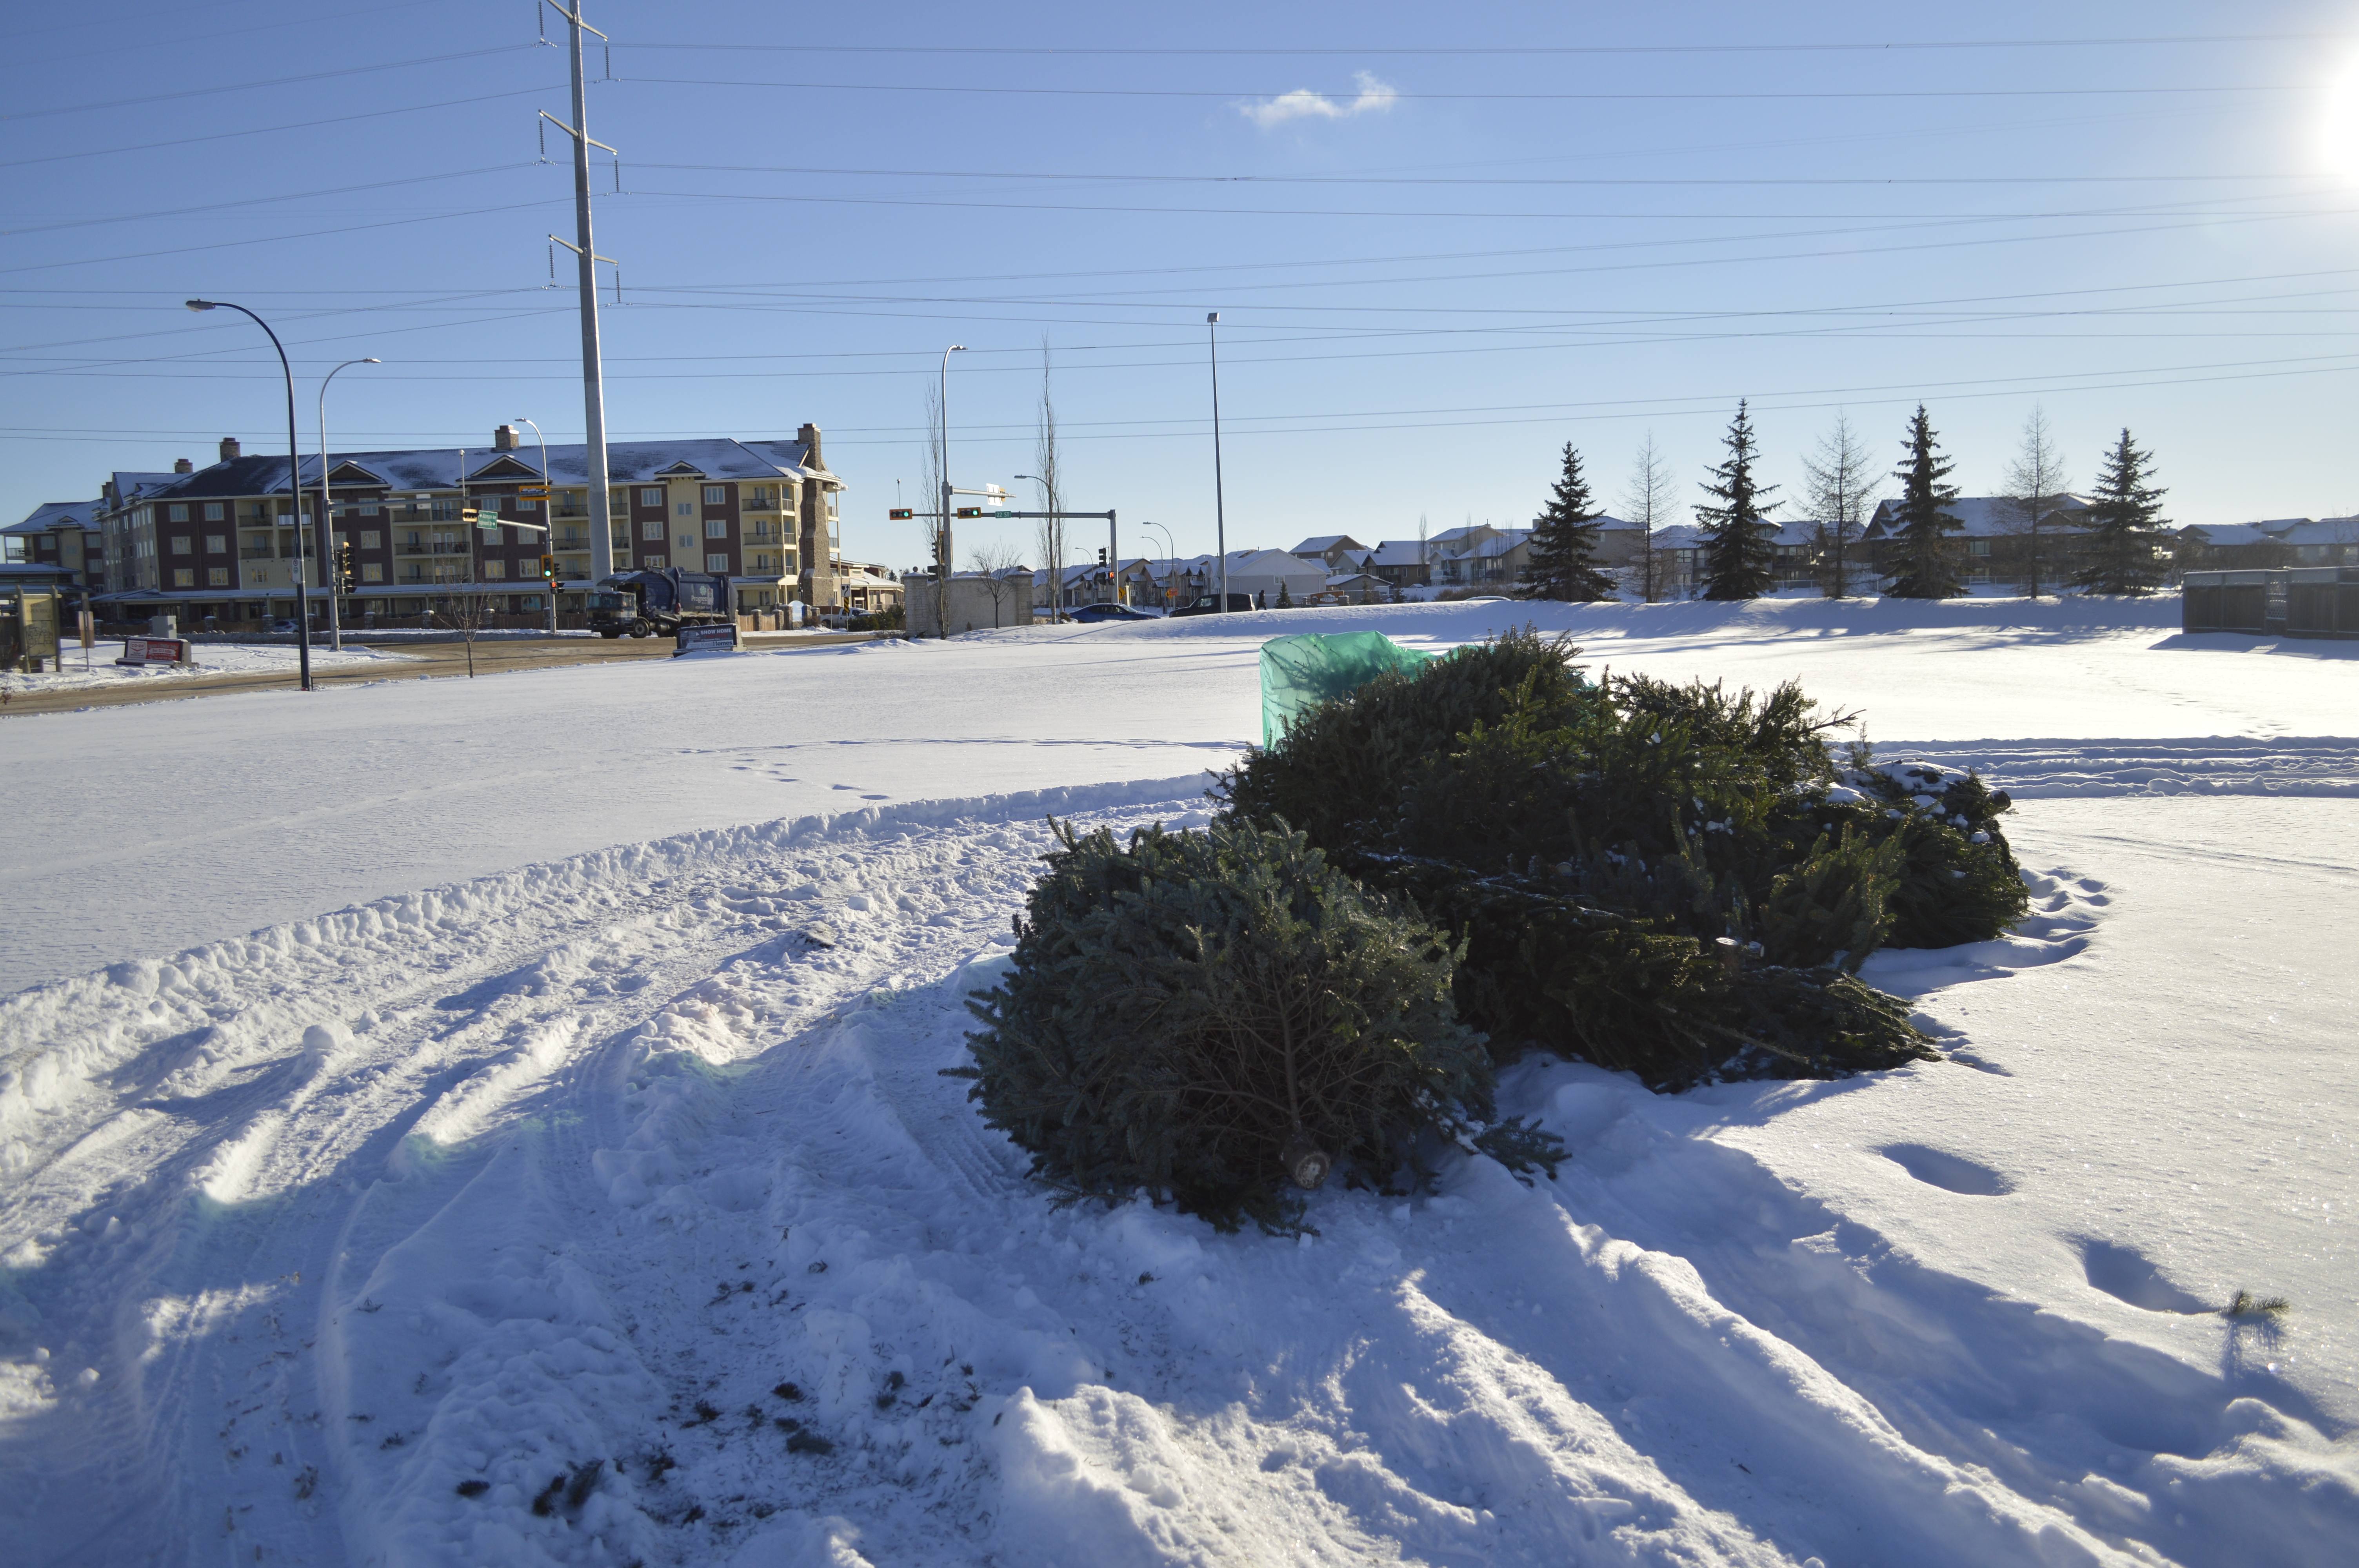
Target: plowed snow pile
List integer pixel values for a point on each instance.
(612, 1208)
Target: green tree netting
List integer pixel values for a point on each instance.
(1302, 672)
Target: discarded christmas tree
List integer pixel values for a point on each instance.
(1927, 565)
(1213, 1017)
(1668, 879)
(1563, 551)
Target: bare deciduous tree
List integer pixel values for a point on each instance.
(993, 563)
(1648, 498)
(466, 614)
(1839, 482)
(1051, 487)
(2036, 482)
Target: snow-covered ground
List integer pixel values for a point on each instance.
(212, 659)
(632, 1114)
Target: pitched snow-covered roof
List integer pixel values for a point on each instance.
(1679, 536)
(1983, 516)
(1401, 552)
(1323, 543)
(441, 468)
(51, 515)
(2324, 531)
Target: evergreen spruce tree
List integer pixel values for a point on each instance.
(2122, 553)
(1564, 541)
(1737, 557)
(1285, 595)
(1928, 566)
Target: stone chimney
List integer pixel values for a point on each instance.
(503, 438)
(809, 436)
(230, 450)
(183, 465)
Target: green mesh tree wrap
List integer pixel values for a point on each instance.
(1302, 672)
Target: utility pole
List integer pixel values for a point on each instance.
(1220, 507)
(594, 391)
(942, 517)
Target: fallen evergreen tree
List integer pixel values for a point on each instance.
(1671, 881)
(1209, 1016)
(1448, 866)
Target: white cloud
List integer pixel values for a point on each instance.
(1304, 104)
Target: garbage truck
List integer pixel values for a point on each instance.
(643, 604)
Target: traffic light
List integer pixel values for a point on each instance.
(549, 568)
(969, 511)
(1102, 561)
(901, 513)
(347, 575)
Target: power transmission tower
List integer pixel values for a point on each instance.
(594, 390)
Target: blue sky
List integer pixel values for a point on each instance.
(1456, 246)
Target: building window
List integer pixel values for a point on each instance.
(716, 495)
(216, 544)
(652, 531)
(368, 508)
(217, 576)
(368, 537)
(688, 541)
(651, 497)
(762, 564)
(213, 511)
(184, 577)
(651, 563)
(526, 503)
(181, 541)
(686, 510)
(716, 563)
(372, 572)
(178, 513)
(716, 527)
(492, 570)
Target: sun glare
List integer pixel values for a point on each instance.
(2339, 133)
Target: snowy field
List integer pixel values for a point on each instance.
(579, 1186)
(212, 659)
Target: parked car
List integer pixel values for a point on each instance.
(1206, 605)
(1092, 613)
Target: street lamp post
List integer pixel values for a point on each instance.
(1171, 551)
(294, 484)
(327, 514)
(1219, 508)
(942, 518)
(547, 511)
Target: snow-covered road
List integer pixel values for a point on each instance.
(609, 1207)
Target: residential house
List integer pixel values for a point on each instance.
(1336, 552)
(1995, 539)
(1402, 563)
(1480, 556)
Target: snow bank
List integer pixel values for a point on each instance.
(616, 1209)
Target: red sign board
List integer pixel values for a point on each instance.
(154, 651)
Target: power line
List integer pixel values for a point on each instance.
(1420, 50)
(256, 86)
(1845, 95)
(468, 102)
(1628, 180)
(265, 201)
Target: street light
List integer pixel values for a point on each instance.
(327, 514)
(1220, 510)
(547, 511)
(294, 484)
(942, 517)
(1171, 551)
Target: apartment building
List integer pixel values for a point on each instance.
(220, 542)
(64, 535)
